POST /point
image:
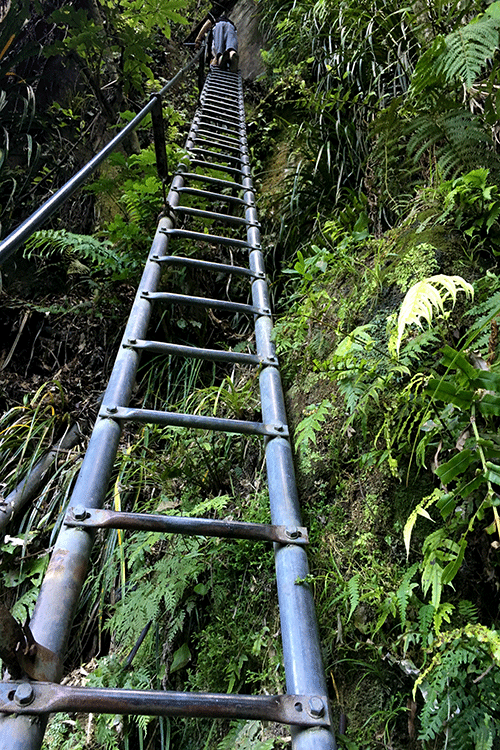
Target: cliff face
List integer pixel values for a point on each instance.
(250, 41)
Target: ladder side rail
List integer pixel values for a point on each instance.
(16, 238)
(299, 631)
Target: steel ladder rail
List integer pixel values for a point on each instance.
(216, 142)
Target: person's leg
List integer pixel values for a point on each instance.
(218, 41)
(222, 39)
(232, 46)
(230, 55)
(231, 37)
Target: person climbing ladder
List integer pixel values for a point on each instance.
(224, 41)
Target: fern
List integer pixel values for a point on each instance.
(468, 49)
(461, 55)
(426, 619)
(405, 590)
(427, 75)
(353, 591)
(479, 331)
(468, 611)
(308, 428)
(156, 588)
(102, 254)
(462, 689)
(458, 136)
(49, 242)
(414, 349)
(424, 299)
(420, 510)
(246, 736)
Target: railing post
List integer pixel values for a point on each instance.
(160, 143)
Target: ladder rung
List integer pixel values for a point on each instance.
(220, 116)
(214, 216)
(213, 180)
(214, 165)
(193, 352)
(217, 144)
(222, 129)
(219, 304)
(213, 239)
(206, 265)
(194, 421)
(229, 98)
(211, 99)
(226, 82)
(111, 519)
(227, 75)
(49, 697)
(206, 152)
(210, 195)
(227, 140)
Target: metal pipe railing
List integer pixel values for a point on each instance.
(27, 489)
(16, 238)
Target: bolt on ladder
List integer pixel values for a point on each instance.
(216, 144)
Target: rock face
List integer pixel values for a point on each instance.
(250, 42)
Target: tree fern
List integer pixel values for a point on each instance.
(426, 298)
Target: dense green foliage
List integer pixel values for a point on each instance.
(376, 149)
(389, 343)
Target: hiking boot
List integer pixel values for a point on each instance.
(233, 61)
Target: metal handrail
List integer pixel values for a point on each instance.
(16, 238)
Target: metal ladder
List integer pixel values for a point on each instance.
(216, 144)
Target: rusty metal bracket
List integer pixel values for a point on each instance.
(95, 518)
(49, 697)
(20, 652)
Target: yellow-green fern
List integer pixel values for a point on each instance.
(426, 298)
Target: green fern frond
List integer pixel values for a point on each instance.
(427, 73)
(353, 591)
(467, 144)
(467, 50)
(48, 242)
(458, 136)
(480, 330)
(420, 510)
(308, 428)
(426, 298)
(461, 55)
(426, 619)
(468, 611)
(418, 346)
(404, 591)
